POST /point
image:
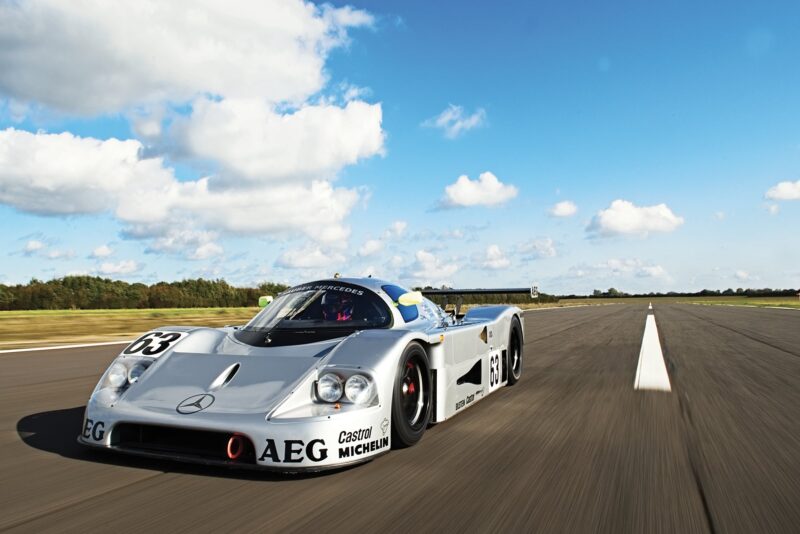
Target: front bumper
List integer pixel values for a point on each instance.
(296, 445)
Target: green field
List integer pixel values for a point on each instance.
(20, 329)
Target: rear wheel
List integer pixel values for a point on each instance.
(514, 352)
(411, 402)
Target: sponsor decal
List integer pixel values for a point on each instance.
(294, 451)
(358, 435)
(94, 430)
(363, 448)
(324, 287)
(195, 403)
(384, 426)
(463, 402)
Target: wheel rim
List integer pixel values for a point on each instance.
(516, 356)
(412, 388)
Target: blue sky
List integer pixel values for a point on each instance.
(425, 142)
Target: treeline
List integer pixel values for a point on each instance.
(730, 292)
(497, 298)
(91, 292)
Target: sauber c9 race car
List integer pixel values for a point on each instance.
(327, 374)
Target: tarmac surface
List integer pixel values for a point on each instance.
(571, 448)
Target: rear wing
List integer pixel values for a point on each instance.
(458, 294)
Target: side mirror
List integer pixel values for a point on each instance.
(263, 301)
(411, 298)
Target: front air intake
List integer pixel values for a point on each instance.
(169, 441)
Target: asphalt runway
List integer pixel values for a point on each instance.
(571, 448)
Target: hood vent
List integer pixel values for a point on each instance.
(224, 378)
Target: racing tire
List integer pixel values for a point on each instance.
(411, 398)
(514, 352)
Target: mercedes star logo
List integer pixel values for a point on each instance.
(195, 403)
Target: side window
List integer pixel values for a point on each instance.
(409, 313)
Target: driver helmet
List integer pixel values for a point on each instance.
(337, 306)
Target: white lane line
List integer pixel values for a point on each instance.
(57, 347)
(650, 306)
(745, 306)
(651, 373)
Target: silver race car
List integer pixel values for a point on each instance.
(330, 373)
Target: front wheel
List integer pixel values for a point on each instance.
(411, 402)
(514, 352)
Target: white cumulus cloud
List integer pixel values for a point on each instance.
(33, 245)
(453, 121)
(310, 257)
(236, 87)
(60, 255)
(427, 269)
(206, 251)
(396, 229)
(625, 218)
(540, 248)
(784, 191)
(565, 208)
(635, 266)
(61, 174)
(95, 56)
(55, 174)
(620, 268)
(487, 190)
(495, 259)
(120, 268)
(370, 247)
(195, 244)
(255, 143)
(103, 251)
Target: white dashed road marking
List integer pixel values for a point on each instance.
(651, 373)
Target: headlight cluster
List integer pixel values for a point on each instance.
(119, 376)
(358, 389)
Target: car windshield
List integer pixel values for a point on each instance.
(323, 305)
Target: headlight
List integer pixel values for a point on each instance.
(136, 371)
(117, 375)
(329, 387)
(358, 389)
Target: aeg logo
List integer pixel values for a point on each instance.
(293, 450)
(94, 429)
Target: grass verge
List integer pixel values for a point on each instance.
(39, 328)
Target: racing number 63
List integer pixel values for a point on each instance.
(494, 370)
(145, 343)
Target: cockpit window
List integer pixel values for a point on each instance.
(409, 313)
(323, 305)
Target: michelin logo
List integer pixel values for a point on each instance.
(363, 448)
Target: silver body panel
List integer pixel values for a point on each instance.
(270, 398)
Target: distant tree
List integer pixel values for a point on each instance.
(91, 292)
